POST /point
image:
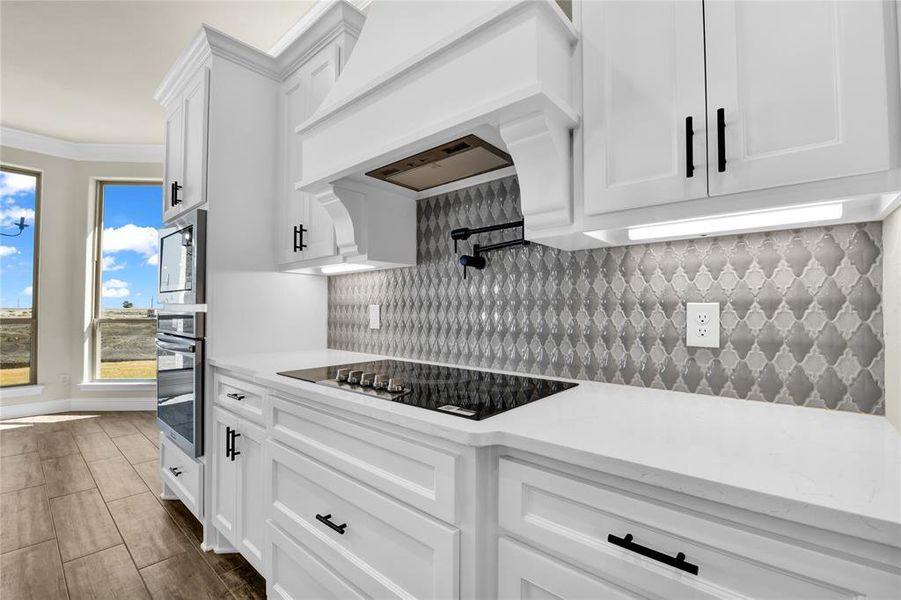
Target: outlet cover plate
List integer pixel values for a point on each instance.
(375, 317)
(702, 324)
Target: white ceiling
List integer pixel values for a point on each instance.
(86, 71)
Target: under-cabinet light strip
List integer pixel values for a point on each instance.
(738, 222)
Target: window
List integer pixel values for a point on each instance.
(125, 258)
(20, 194)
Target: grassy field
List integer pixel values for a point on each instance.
(127, 349)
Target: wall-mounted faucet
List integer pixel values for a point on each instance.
(476, 260)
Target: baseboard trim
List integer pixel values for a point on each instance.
(47, 407)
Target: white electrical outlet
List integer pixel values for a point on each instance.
(375, 318)
(702, 324)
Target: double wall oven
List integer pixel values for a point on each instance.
(180, 332)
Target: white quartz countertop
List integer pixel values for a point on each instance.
(836, 470)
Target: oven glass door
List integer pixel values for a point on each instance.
(180, 390)
(177, 261)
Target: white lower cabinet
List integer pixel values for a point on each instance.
(381, 546)
(526, 574)
(181, 475)
(632, 541)
(239, 488)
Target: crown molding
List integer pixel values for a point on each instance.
(352, 10)
(43, 144)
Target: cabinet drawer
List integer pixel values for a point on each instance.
(525, 574)
(182, 474)
(420, 475)
(382, 547)
(573, 518)
(240, 397)
(296, 574)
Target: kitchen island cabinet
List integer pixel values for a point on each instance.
(548, 498)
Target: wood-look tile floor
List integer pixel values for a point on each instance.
(81, 516)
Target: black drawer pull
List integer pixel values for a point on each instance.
(689, 148)
(175, 471)
(678, 561)
(721, 140)
(325, 519)
(235, 396)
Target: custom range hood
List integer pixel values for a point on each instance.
(438, 92)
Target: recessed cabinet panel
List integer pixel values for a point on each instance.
(194, 172)
(525, 574)
(174, 151)
(225, 477)
(251, 493)
(643, 65)
(796, 92)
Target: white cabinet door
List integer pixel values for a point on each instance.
(251, 492)
(193, 190)
(225, 476)
(800, 87)
(643, 66)
(302, 93)
(525, 574)
(175, 123)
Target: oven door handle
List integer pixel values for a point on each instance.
(189, 349)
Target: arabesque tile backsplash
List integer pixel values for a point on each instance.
(801, 310)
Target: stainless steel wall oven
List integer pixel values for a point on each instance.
(179, 382)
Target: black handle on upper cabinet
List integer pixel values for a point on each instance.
(325, 519)
(689, 148)
(175, 471)
(721, 140)
(298, 237)
(677, 561)
(173, 196)
(234, 452)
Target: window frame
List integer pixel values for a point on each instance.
(35, 281)
(97, 301)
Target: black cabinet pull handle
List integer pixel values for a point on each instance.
(325, 519)
(689, 148)
(298, 237)
(234, 453)
(235, 396)
(678, 561)
(173, 196)
(175, 471)
(721, 140)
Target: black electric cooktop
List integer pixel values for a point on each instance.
(466, 393)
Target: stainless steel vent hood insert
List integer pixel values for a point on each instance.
(453, 161)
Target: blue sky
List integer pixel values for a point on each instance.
(132, 215)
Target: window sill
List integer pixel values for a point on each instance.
(117, 386)
(20, 391)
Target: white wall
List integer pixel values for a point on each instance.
(67, 224)
(891, 310)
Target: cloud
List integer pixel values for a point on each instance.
(142, 240)
(12, 212)
(115, 288)
(28, 291)
(108, 263)
(153, 260)
(15, 183)
(8, 250)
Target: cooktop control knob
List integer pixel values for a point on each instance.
(367, 379)
(395, 384)
(342, 374)
(354, 377)
(380, 382)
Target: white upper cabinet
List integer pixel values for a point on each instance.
(187, 118)
(306, 231)
(644, 97)
(796, 92)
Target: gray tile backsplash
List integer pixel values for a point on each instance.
(801, 310)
